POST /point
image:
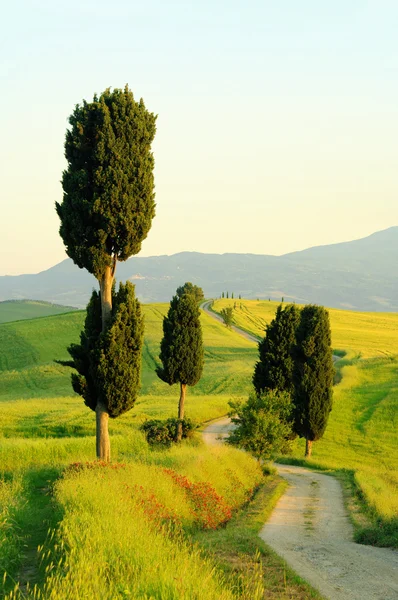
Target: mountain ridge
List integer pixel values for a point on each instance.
(358, 274)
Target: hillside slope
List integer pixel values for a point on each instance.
(15, 310)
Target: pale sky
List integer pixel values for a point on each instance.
(277, 120)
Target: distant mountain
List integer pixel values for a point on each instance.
(358, 275)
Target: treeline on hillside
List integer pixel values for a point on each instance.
(292, 381)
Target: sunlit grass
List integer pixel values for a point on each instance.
(124, 529)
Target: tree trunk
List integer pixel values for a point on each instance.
(181, 409)
(102, 415)
(106, 296)
(102, 434)
(308, 448)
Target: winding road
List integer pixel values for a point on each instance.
(310, 529)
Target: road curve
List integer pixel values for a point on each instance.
(205, 307)
(310, 529)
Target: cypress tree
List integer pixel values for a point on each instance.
(108, 363)
(274, 370)
(181, 349)
(312, 375)
(108, 202)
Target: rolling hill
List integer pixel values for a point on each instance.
(16, 310)
(356, 275)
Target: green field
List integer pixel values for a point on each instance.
(15, 310)
(362, 434)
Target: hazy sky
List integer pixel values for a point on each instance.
(277, 126)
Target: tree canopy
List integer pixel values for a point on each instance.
(262, 424)
(227, 315)
(181, 349)
(190, 288)
(108, 203)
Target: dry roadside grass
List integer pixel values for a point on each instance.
(252, 569)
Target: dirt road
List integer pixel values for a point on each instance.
(310, 529)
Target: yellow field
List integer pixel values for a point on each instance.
(360, 334)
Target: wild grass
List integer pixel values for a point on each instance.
(125, 527)
(11, 498)
(250, 567)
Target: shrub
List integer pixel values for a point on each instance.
(262, 424)
(164, 433)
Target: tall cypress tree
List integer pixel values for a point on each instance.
(274, 370)
(108, 363)
(181, 349)
(312, 375)
(108, 203)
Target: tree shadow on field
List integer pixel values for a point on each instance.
(38, 514)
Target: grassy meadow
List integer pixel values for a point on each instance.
(362, 433)
(132, 529)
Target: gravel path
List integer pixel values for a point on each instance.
(310, 529)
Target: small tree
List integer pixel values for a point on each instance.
(227, 295)
(108, 203)
(227, 315)
(232, 295)
(181, 349)
(108, 363)
(262, 424)
(189, 288)
(274, 370)
(312, 375)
